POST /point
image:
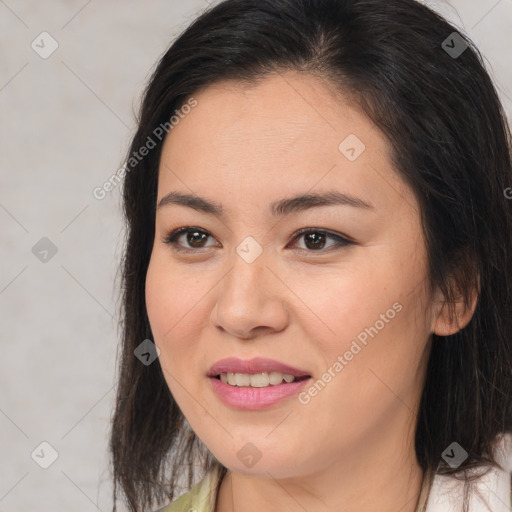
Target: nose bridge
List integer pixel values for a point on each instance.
(246, 297)
(246, 278)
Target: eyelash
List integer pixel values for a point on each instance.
(171, 238)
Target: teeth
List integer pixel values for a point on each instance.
(256, 380)
(242, 379)
(276, 378)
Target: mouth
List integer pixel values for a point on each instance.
(258, 372)
(258, 380)
(256, 391)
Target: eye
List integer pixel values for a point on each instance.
(315, 239)
(194, 236)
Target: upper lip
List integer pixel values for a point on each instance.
(256, 365)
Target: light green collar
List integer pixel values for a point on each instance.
(200, 498)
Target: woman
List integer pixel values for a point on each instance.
(317, 293)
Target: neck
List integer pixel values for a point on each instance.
(370, 479)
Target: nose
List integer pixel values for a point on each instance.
(251, 300)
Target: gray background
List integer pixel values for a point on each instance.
(65, 124)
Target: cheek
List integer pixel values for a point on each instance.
(158, 299)
(376, 323)
(177, 309)
(341, 306)
(170, 295)
(163, 307)
(167, 308)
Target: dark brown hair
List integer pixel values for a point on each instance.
(449, 141)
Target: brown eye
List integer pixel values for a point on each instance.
(315, 239)
(192, 238)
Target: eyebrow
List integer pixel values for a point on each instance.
(278, 208)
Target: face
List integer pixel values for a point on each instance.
(345, 302)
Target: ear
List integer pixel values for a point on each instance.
(453, 315)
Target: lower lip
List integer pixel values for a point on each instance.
(249, 398)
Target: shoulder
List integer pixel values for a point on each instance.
(200, 498)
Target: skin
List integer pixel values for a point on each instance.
(351, 447)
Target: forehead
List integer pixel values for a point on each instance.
(284, 131)
(279, 110)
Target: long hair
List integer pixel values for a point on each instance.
(450, 142)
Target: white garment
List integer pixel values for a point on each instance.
(494, 488)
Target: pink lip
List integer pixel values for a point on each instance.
(256, 365)
(249, 398)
